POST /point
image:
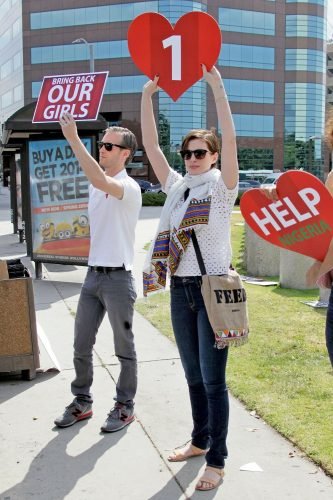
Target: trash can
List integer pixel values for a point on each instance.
(18, 330)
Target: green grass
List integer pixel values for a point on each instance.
(283, 372)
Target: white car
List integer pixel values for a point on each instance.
(271, 179)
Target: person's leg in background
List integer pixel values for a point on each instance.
(329, 327)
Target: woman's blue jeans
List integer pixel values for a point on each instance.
(329, 328)
(204, 367)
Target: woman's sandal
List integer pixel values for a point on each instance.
(210, 479)
(186, 452)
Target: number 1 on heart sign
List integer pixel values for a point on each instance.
(174, 42)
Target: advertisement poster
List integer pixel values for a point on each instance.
(78, 94)
(59, 201)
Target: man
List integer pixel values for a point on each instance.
(114, 205)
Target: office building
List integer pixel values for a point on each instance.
(273, 61)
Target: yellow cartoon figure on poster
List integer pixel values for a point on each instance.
(47, 230)
(81, 227)
(63, 231)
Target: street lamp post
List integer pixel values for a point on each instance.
(91, 52)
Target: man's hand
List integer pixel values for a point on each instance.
(270, 192)
(68, 127)
(151, 87)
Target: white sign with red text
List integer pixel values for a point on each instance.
(79, 94)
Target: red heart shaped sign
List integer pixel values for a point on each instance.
(301, 220)
(174, 53)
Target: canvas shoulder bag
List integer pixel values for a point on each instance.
(226, 304)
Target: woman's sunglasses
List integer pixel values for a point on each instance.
(199, 154)
(108, 145)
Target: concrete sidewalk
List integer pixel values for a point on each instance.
(79, 463)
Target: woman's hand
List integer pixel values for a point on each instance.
(270, 192)
(68, 127)
(151, 87)
(213, 77)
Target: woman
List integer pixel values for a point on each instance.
(201, 200)
(320, 273)
(325, 269)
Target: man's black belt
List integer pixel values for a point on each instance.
(105, 270)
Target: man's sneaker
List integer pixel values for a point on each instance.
(120, 416)
(76, 411)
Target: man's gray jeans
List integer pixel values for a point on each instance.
(114, 293)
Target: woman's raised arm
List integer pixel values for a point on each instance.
(149, 133)
(229, 161)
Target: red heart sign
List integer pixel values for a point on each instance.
(301, 220)
(174, 53)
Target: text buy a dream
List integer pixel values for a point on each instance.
(61, 180)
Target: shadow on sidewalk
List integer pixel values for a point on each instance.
(47, 293)
(53, 473)
(184, 477)
(11, 384)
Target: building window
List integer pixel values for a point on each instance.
(305, 60)
(249, 91)
(16, 27)
(305, 26)
(6, 69)
(254, 125)
(304, 125)
(17, 61)
(173, 9)
(304, 109)
(247, 21)
(125, 84)
(317, 2)
(90, 15)
(79, 52)
(5, 38)
(247, 56)
(7, 99)
(18, 93)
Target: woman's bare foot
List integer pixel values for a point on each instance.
(186, 452)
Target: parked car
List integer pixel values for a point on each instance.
(271, 179)
(154, 188)
(253, 182)
(243, 186)
(144, 185)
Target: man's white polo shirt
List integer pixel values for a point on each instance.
(112, 224)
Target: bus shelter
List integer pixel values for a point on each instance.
(49, 190)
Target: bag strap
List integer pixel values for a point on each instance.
(198, 253)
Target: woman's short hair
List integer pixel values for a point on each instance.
(128, 140)
(209, 136)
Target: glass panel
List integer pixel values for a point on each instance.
(247, 21)
(304, 125)
(254, 125)
(90, 15)
(250, 90)
(79, 52)
(245, 56)
(305, 26)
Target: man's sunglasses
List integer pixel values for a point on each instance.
(108, 145)
(199, 154)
